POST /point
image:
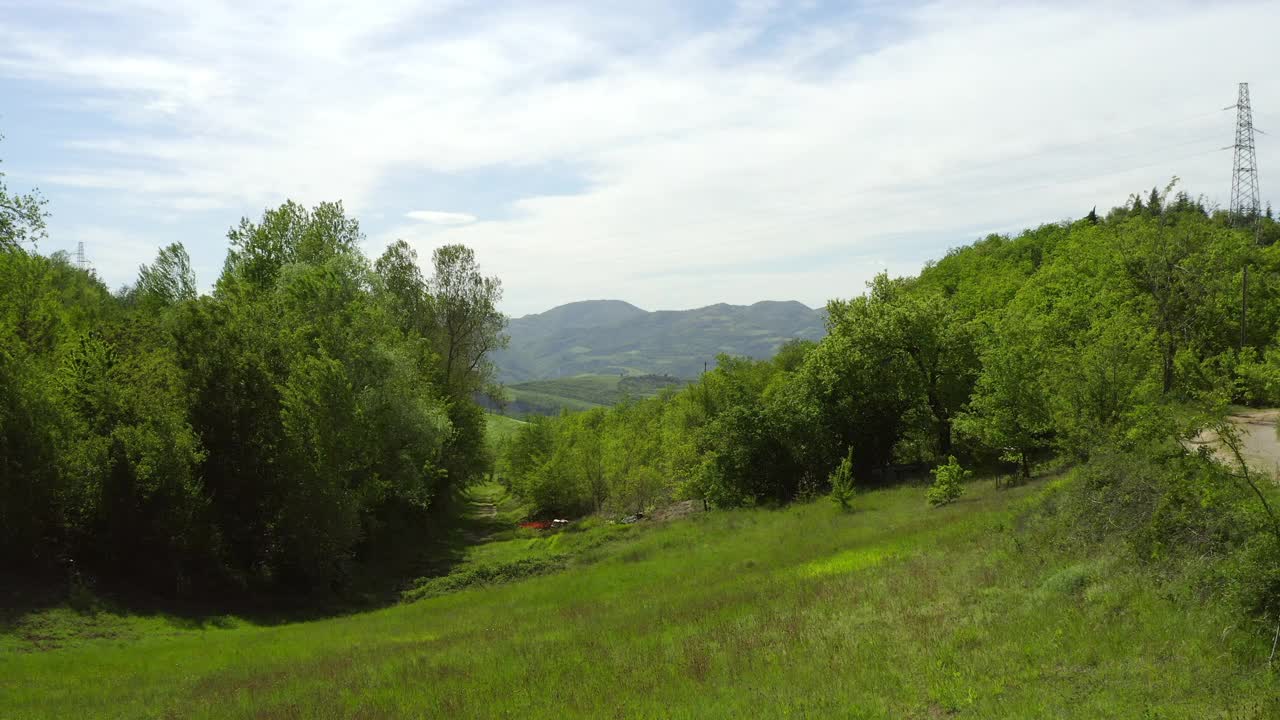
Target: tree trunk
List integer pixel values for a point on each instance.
(944, 437)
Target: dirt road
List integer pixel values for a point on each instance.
(1260, 439)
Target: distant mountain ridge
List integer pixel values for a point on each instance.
(616, 337)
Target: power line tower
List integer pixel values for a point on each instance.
(1245, 203)
(81, 262)
(1246, 207)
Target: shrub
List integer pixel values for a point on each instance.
(842, 485)
(947, 482)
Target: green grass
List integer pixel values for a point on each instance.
(581, 392)
(500, 427)
(894, 610)
(535, 402)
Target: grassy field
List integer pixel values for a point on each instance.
(500, 427)
(581, 392)
(894, 610)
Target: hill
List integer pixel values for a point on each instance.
(499, 427)
(614, 337)
(890, 611)
(579, 392)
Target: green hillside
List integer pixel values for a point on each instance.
(613, 337)
(889, 611)
(581, 392)
(500, 427)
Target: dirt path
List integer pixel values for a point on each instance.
(1259, 437)
(482, 518)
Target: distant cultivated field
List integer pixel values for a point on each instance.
(581, 392)
(891, 611)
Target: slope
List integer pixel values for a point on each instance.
(890, 611)
(578, 392)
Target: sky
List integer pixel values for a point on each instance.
(673, 154)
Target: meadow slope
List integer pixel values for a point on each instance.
(893, 610)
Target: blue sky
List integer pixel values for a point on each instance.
(672, 154)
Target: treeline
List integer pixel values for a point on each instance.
(312, 413)
(1106, 336)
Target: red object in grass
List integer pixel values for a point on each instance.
(536, 525)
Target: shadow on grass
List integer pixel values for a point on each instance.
(87, 609)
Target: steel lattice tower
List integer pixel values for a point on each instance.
(81, 262)
(1245, 203)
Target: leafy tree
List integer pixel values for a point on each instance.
(948, 483)
(1009, 410)
(22, 217)
(468, 324)
(403, 288)
(919, 331)
(288, 234)
(169, 279)
(1176, 270)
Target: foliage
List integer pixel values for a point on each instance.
(843, 489)
(1067, 337)
(272, 434)
(948, 483)
(467, 324)
(169, 279)
(22, 217)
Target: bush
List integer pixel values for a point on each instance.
(947, 483)
(842, 485)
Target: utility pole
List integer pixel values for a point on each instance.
(1245, 203)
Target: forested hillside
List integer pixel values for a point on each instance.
(1107, 342)
(312, 413)
(611, 337)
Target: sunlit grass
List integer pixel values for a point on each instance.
(893, 610)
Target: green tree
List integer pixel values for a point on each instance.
(1009, 410)
(403, 288)
(918, 330)
(467, 322)
(169, 279)
(843, 488)
(22, 217)
(948, 483)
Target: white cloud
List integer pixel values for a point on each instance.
(755, 158)
(435, 217)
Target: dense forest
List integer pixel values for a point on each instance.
(1107, 341)
(312, 412)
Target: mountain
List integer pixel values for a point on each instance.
(615, 337)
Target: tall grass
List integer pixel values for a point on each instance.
(892, 610)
